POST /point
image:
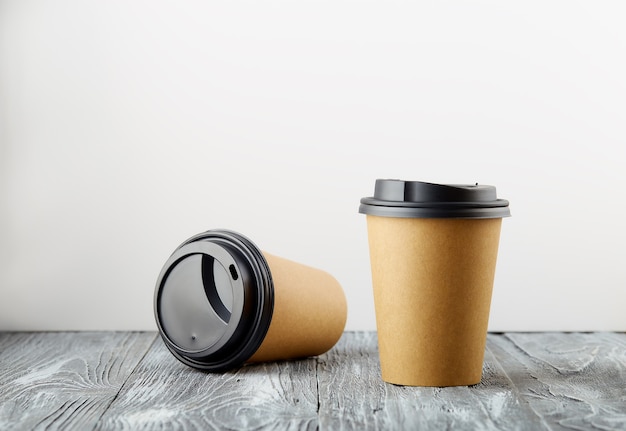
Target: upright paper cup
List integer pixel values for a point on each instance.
(433, 252)
(220, 302)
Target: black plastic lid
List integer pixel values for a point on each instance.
(214, 300)
(416, 199)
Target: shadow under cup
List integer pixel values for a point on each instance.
(433, 251)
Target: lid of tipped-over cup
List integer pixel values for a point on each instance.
(214, 300)
(397, 198)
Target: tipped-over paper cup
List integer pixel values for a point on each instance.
(220, 302)
(433, 252)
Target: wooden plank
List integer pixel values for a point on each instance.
(572, 380)
(164, 394)
(353, 396)
(108, 381)
(64, 380)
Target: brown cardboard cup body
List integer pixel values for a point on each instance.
(432, 282)
(309, 312)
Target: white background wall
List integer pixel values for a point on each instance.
(126, 127)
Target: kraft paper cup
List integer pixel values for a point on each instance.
(433, 251)
(220, 302)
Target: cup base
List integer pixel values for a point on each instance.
(310, 312)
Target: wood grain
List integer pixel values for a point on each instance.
(353, 396)
(165, 394)
(573, 381)
(64, 380)
(129, 381)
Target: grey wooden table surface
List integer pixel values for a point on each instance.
(128, 380)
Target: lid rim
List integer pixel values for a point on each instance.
(372, 201)
(403, 212)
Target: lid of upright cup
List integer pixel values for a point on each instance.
(214, 300)
(417, 199)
